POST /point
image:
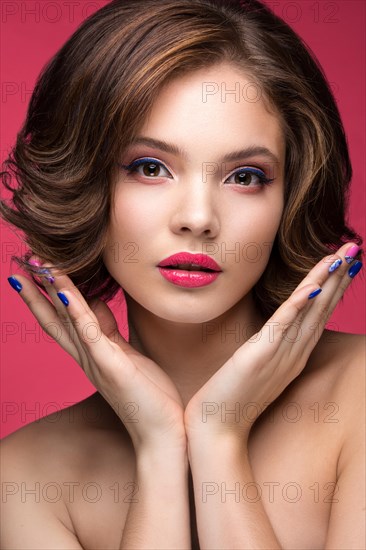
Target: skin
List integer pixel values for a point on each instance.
(194, 216)
(173, 384)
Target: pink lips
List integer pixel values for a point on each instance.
(190, 278)
(187, 258)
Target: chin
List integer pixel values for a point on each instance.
(187, 309)
(188, 317)
(187, 314)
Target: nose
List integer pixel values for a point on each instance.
(196, 209)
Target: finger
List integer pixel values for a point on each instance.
(305, 331)
(273, 331)
(289, 317)
(328, 274)
(47, 279)
(46, 315)
(333, 291)
(333, 288)
(289, 326)
(65, 319)
(346, 277)
(105, 321)
(63, 282)
(287, 334)
(330, 266)
(107, 364)
(50, 280)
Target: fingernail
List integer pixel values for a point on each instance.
(351, 253)
(15, 284)
(63, 298)
(354, 269)
(35, 262)
(335, 265)
(44, 271)
(314, 293)
(49, 277)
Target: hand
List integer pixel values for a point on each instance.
(139, 391)
(264, 366)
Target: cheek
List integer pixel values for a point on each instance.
(257, 223)
(251, 235)
(132, 228)
(134, 219)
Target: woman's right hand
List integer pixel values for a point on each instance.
(139, 391)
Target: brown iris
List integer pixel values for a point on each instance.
(244, 178)
(151, 169)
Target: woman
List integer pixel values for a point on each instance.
(139, 171)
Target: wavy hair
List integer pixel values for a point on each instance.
(95, 93)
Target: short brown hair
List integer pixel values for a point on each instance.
(93, 96)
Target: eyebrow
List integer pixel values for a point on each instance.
(251, 151)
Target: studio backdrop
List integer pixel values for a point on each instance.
(37, 376)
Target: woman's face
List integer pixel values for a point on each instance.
(188, 197)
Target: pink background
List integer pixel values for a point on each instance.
(37, 377)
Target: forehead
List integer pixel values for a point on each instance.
(214, 108)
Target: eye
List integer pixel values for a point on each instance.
(151, 168)
(250, 177)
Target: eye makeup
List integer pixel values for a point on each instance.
(133, 166)
(240, 172)
(245, 170)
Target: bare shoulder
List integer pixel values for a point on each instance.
(341, 361)
(51, 468)
(337, 374)
(341, 358)
(345, 364)
(331, 389)
(69, 430)
(67, 441)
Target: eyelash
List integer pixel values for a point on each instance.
(132, 167)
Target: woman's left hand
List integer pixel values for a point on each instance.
(259, 370)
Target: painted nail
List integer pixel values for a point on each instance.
(314, 293)
(354, 269)
(15, 284)
(63, 298)
(335, 265)
(49, 277)
(35, 262)
(44, 271)
(47, 274)
(351, 253)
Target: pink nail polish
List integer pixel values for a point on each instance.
(35, 263)
(351, 253)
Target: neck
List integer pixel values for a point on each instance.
(190, 353)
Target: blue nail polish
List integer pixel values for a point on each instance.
(314, 293)
(354, 269)
(335, 265)
(15, 284)
(63, 298)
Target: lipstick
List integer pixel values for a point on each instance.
(189, 270)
